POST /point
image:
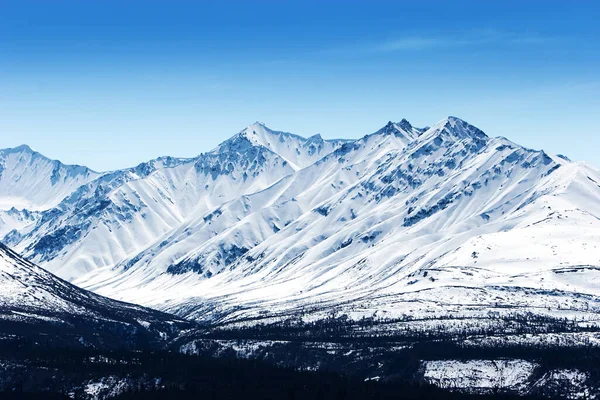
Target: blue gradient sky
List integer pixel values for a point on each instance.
(109, 83)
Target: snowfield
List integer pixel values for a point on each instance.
(513, 375)
(479, 374)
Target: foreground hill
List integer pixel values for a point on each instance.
(36, 305)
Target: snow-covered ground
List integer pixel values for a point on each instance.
(512, 375)
(479, 374)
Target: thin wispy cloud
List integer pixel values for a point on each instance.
(472, 39)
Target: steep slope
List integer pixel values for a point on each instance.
(118, 214)
(18, 220)
(36, 304)
(391, 231)
(212, 241)
(29, 180)
(31, 183)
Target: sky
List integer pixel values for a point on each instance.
(109, 84)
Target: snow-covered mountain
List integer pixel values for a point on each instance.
(298, 151)
(31, 181)
(15, 219)
(402, 222)
(120, 213)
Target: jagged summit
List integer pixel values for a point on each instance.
(403, 130)
(392, 128)
(463, 128)
(393, 134)
(405, 125)
(261, 134)
(452, 129)
(297, 150)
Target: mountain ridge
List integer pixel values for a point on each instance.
(40, 183)
(383, 216)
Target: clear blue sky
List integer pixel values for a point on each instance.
(110, 83)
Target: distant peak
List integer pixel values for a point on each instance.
(403, 129)
(389, 128)
(316, 136)
(23, 147)
(20, 149)
(257, 128)
(256, 134)
(404, 124)
(258, 124)
(458, 128)
(456, 121)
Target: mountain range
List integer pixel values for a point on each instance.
(441, 221)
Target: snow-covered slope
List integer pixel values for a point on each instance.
(35, 303)
(216, 239)
(384, 220)
(30, 181)
(15, 219)
(118, 214)
(402, 222)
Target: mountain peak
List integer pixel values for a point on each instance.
(296, 150)
(19, 149)
(457, 128)
(257, 124)
(257, 132)
(23, 147)
(32, 181)
(403, 130)
(404, 124)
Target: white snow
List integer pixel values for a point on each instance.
(511, 374)
(30, 181)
